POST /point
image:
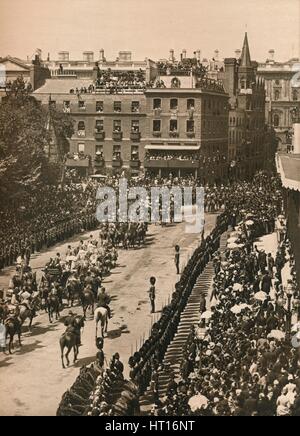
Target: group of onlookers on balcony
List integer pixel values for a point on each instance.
(114, 82)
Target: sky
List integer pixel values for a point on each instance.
(149, 28)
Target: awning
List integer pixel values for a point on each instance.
(80, 163)
(173, 147)
(288, 166)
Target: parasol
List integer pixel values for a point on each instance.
(249, 223)
(198, 402)
(206, 315)
(276, 334)
(260, 296)
(238, 287)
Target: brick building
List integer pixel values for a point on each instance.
(250, 144)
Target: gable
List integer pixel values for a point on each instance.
(13, 66)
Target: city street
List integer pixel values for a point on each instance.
(32, 380)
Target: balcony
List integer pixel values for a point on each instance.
(135, 136)
(99, 162)
(174, 134)
(156, 134)
(81, 134)
(117, 136)
(172, 163)
(157, 111)
(136, 163)
(117, 163)
(99, 136)
(190, 135)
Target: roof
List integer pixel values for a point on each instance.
(12, 62)
(288, 166)
(62, 86)
(245, 57)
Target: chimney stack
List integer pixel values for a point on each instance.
(88, 56)
(271, 55)
(217, 54)
(101, 57)
(184, 53)
(172, 57)
(198, 55)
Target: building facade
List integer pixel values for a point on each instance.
(176, 123)
(282, 84)
(250, 144)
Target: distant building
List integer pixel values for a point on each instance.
(165, 118)
(282, 84)
(250, 143)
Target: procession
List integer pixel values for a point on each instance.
(149, 211)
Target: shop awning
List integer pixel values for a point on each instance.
(288, 166)
(173, 147)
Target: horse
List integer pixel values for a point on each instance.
(4, 311)
(88, 302)
(73, 290)
(101, 314)
(25, 312)
(70, 339)
(53, 305)
(13, 326)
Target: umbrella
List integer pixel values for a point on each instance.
(206, 315)
(238, 308)
(276, 334)
(296, 328)
(233, 246)
(260, 296)
(249, 223)
(235, 234)
(198, 402)
(237, 287)
(232, 239)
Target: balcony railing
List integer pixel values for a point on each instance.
(117, 136)
(135, 136)
(81, 133)
(99, 162)
(190, 134)
(174, 134)
(100, 136)
(136, 163)
(156, 134)
(117, 163)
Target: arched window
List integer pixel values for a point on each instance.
(295, 95)
(277, 95)
(276, 120)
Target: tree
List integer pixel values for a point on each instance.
(24, 136)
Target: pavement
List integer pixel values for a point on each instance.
(32, 379)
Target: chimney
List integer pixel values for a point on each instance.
(271, 55)
(101, 57)
(184, 53)
(217, 55)
(172, 57)
(63, 56)
(198, 55)
(238, 53)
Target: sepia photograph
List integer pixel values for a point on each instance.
(149, 210)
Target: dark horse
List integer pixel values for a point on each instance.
(73, 290)
(71, 339)
(53, 305)
(88, 301)
(13, 326)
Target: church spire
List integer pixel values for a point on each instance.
(245, 60)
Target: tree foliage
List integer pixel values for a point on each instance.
(24, 137)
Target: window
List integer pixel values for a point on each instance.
(81, 128)
(52, 104)
(135, 106)
(117, 106)
(156, 126)
(67, 107)
(173, 125)
(117, 125)
(277, 82)
(191, 104)
(276, 120)
(295, 95)
(81, 148)
(99, 126)
(173, 104)
(277, 95)
(134, 152)
(116, 152)
(99, 150)
(190, 126)
(81, 105)
(135, 126)
(157, 103)
(99, 106)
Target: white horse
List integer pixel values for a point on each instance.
(101, 314)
